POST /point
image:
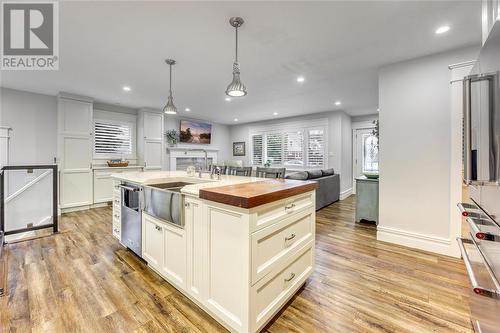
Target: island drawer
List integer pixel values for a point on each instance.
(273, 245)
(270, 294)
(272, 213)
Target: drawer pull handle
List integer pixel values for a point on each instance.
(290, 278)
(158, 227)
(186, 204)
(290, 206)
(292, 236)
(117, 201)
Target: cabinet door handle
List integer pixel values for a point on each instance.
(158, 227)
(290, 278)
(292, 236)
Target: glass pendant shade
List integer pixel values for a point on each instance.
(170, 108)
(236, 88)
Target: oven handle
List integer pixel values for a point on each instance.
(129, 188)
(472, 277)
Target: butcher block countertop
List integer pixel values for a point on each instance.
(249, 195)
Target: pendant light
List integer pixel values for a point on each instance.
(236, 88)
(170, 107)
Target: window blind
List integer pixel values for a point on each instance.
(274, 148)
(257, 150)
(293, 152)
(112, 139)
(315, 148)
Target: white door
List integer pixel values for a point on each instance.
(174, 259)
(75, 151)
(152, 242)
(365, 153)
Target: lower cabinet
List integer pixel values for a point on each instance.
(164, 249)
(241, 271)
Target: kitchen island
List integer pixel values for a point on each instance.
(245, 247)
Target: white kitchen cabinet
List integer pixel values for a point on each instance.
(75, 132)
(195, 247)
(240, 265)
(117, 206)
(174, 258)
(103, 187)
(150, 141)
(153, 242)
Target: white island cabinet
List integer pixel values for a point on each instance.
(240, 265)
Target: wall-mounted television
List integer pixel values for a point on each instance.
(195, 132)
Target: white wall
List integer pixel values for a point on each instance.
(415, 139)
(339, 142)
(33, 118)
(220, 139)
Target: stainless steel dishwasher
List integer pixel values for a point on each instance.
(131, 220)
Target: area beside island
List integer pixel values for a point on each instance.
(239, 248)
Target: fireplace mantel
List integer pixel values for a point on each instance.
(193, 153)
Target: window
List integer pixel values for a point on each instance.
(112, 138)
(315, 148)
(295, 147)
(257, 150)
(370, 153)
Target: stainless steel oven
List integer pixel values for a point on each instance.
(131, 221)
(481, 247)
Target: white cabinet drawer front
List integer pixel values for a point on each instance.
(274, 244)
(269, 296)
(272, 213)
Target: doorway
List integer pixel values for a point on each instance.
(364, 154)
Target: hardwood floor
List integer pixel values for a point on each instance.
(82, 280)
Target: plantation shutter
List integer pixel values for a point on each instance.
(274, 145)
(315, 148)
(293, 151)
(112, 139)
(257, 151)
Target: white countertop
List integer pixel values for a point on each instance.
(159, 177)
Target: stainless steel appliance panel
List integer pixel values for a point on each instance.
(131, 220)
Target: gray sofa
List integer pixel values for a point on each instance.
(329, 185)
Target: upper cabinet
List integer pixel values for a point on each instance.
(75, 139)
(490, 14)
(150, 142)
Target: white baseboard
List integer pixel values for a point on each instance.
(419, 241)
(345, 194)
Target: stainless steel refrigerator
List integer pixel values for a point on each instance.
(481, 156)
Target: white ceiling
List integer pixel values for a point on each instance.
(337, 46)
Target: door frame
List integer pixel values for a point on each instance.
(362, 125)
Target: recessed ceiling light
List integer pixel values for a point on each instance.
(338, 103)
(300, 79)
(275, 113)
(443, 29)
(126, 88)
(235, 119)
(228, 99)
(187, 109)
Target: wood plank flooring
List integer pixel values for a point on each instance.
(82, 280)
